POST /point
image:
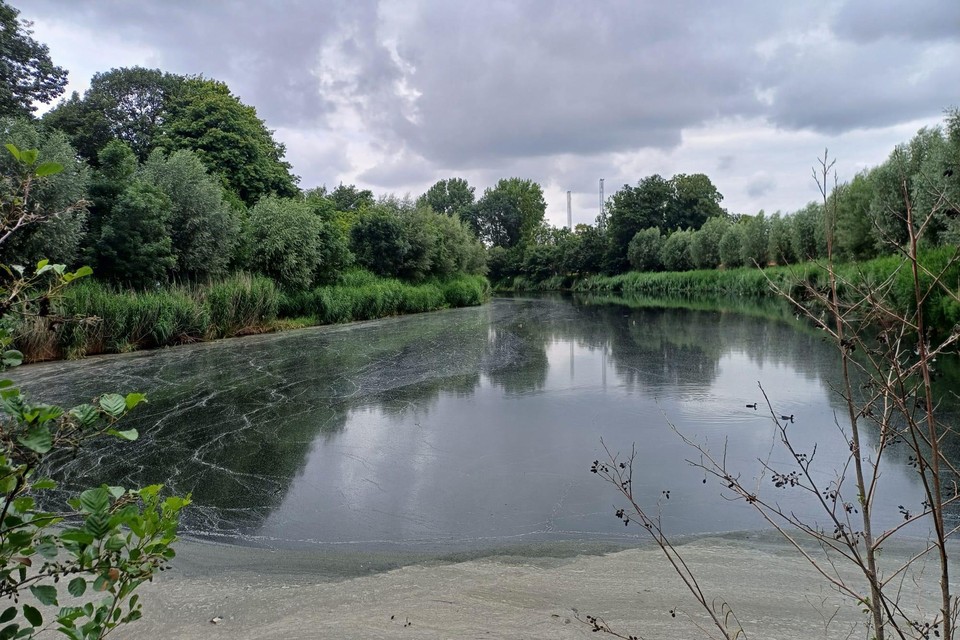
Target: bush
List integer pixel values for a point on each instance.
(644, 250)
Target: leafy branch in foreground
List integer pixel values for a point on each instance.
(887, 352)
(111, 539)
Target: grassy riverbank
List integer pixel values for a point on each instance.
(942, 311)
(92, 317)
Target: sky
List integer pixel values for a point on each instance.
(393, 95)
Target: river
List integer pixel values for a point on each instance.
(468, 429)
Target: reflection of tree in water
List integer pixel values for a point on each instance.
(516, 354)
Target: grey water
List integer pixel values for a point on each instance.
(470, 428)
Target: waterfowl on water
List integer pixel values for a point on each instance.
(752, 406)
(788, 418)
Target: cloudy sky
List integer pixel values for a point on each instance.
(393, 95)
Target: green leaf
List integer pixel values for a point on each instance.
(37, 439)
(45, 593)
(77, 587)
(86, 414)
(42, 264)
(32, 614)
(47, 549)
(12, 148)
(23, 504)
(78, 536)
(133, 399)
(11, 358)
(95, 500)
(29, 156)
(113, 403)
(43, 483)
(98, 524)
(8, 614)
(48, 169)
(128, 434)
(116, 492)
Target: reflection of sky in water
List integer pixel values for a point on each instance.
(469, 428)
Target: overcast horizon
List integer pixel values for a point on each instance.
(393, 96)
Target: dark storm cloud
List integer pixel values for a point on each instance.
(267, 52)
(538, 78)
(434, 85)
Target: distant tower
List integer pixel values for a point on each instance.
(602, 218)
(569, 213)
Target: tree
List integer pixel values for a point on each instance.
(128, 104)
(756, 237)
(705, 244)
(780, 246)
(591, 251)
(349, 198)
(854, 234)
(509, 214)
(379, 242)
(285, 241)
(731, 252)
(807, 233)
(696, 200)
(228, 137)
(632, 209)
(204, 230)
(135, 246)
(60, 209)
(644, 250)
(450, 197)
(675, 252)
(27, 74)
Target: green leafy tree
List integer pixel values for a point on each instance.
(541, 261)
(731, 246)
(110, 540)
(696, 200)
(285, 241)
(27, 74)
(779, 243)
(504, 264)
(633, 209)
(854, 232)
(204, 229)
(705, 243)
(378, 240)
(350, 198)
(675, 252)
(451, 197)
(755, 240)
(135, 246)
(59, 197)
(228, 137)
(128, 104)
(591, 252)
(644, 250)
(807, 233)
(510, 213)
(118, 167)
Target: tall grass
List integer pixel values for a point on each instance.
(93, 317)
(361, 295)
(943, 311)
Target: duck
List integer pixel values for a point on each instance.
(752, 406)
(788, 418)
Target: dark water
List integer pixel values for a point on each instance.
(468, 428)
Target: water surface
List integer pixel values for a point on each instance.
(466, 429)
